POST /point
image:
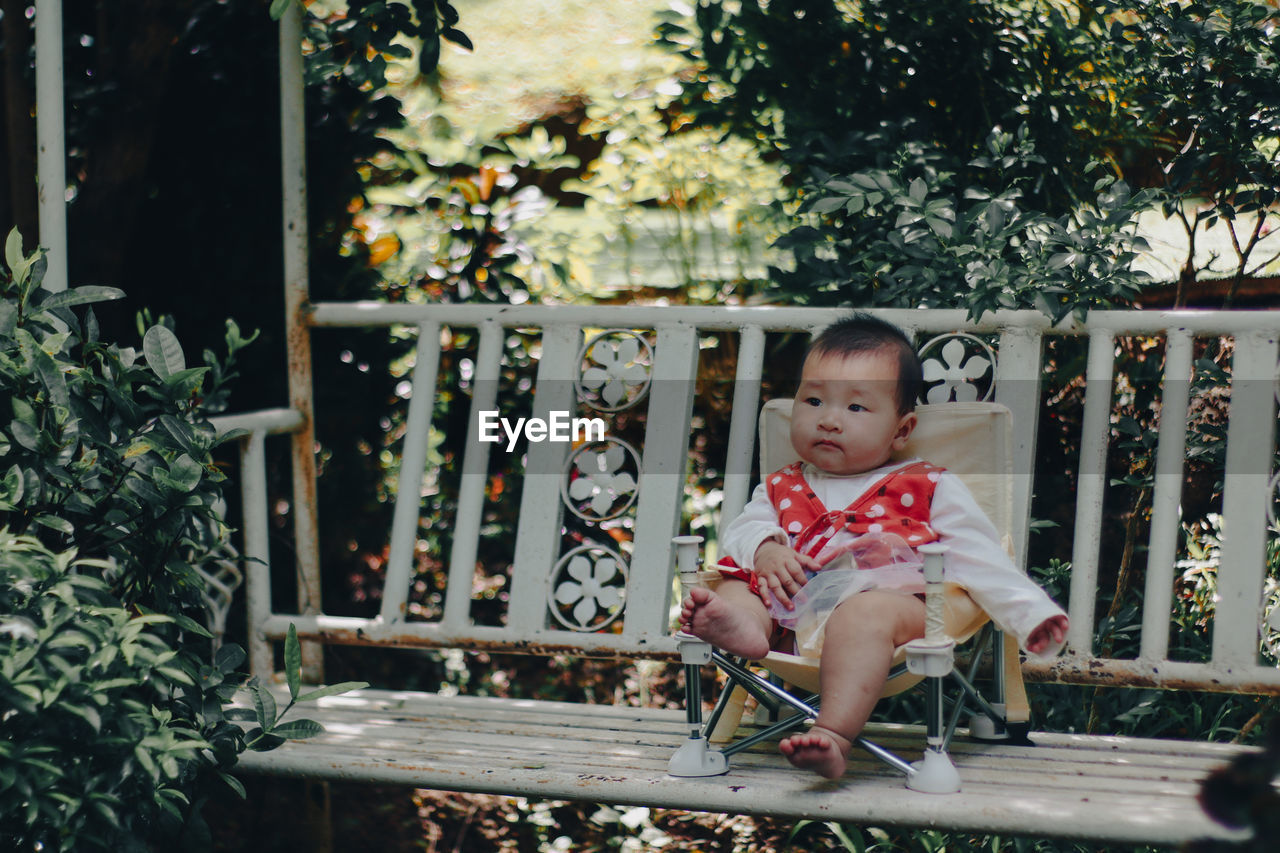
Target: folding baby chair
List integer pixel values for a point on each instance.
(972, 440)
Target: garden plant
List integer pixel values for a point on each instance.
(117, 701)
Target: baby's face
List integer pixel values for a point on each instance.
(845, 418)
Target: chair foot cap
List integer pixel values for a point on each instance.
(694, 759)
(934, 774)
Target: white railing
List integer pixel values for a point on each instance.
(677, 336)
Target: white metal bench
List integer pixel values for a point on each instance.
(608, 593)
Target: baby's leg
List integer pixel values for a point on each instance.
(857, 651)
(732, 618)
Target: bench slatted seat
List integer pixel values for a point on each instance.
(616, 754)
(589, 570)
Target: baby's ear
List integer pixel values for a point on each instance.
(906, 426)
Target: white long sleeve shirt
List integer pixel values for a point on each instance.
(974, 559)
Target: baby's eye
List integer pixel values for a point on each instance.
(812, 401)
(856, 407)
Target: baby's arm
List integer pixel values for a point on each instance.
(756, 524)
(976, 562)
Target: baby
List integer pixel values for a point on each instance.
(853, 409)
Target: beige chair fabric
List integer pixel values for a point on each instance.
(972, 440)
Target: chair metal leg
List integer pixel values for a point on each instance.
(695, 757)
(989, 725)
(779, 728)
(762, 689)
(980, 646)
(729, 702)
(934, 658)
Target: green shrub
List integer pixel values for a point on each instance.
(111, 696)
(104, 448)
(94, 752)
(908, 234)
(105, 453)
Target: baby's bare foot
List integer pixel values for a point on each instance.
(820, 750)
(709, 617)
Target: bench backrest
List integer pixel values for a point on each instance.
(590, 562)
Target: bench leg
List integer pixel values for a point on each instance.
(319, 816)
(695, 757)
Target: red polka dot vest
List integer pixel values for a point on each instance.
(898, 503)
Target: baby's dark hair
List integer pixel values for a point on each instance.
(863, 333)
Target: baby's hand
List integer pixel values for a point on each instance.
(1048, 633)
(782, 571)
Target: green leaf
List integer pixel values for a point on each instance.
(260, 741)
(13, 255)
(182, 432)
(264, 704)
(89, 714)
(918, 190)
(25, 434)
(278, 8)
(458, 37)
(143, 489)
(23, 412)
(185, 473)
(939, 226)
(52, 379)
(429, 53)
(13, 248)
(187, 381)
(229, 657)
(333, 690)
(175, 676)
(54, 523)
(850, 844)
(190, 625)
(298, 729)
(1129, 426)
(797, 828)
(293, 661)
(162, 351)
(234, 784)
(13, 484)
(82, 296)
(830, 204)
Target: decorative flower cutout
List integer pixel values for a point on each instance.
(592, 595)
(953, 376)
(599, 480)
(620, 373)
